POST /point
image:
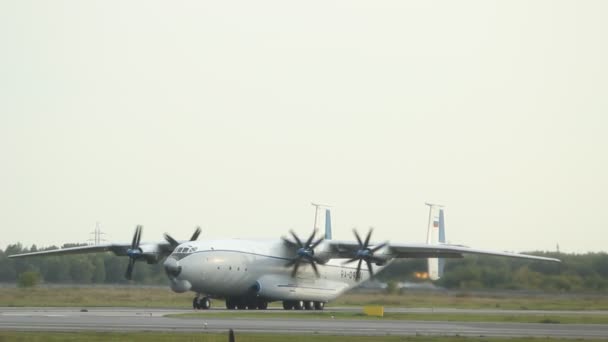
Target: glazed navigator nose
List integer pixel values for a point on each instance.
(172, 267)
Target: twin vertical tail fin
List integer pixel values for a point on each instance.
(436, 235)
(327, 219)
(327, 224)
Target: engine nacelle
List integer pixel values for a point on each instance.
(322, 253)
(382, 260)
(150, 253)
(180, 286)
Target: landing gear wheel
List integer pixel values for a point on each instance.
(196, 303)
(288, 305)
(262, 305)
(252, 304)
(241, 304)
(230, 304)
(298, 305)
(308, 305)
(204, 303)
(199, 303)
(319, 305)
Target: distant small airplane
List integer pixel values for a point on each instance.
(248, 274)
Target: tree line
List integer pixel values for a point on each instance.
(577, 272)
(95, 268)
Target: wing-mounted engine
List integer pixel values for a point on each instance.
(371, 254)
(305, 253)
(323, 253)
(150, 252)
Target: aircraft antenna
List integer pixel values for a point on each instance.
(317, 206)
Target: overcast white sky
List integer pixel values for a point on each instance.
(235, 115)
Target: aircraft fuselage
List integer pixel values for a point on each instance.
(240, 268)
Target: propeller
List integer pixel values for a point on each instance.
(175, 243)
(304, 252)
(364, 253)
(134, 252)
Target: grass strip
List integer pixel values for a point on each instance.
(158, 297)
(508, 318)
(464, 300)
(212, 337)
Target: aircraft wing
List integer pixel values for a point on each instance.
(347, 249)
(152, 252)
(117, 249)
(408, 250)
(162, 248)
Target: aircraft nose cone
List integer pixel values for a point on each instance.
(172, 267)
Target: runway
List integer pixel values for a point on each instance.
(142, 319)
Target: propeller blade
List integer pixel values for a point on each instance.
(296, 238)
(291, 262)
(349, 261)
(358, 238)
(369, 235)
(314, 267)
(317, 243)
(369, 267)
(134, 241)
(197, 232)
(288, 242)
(129, 273)
(139, 229)
(309, 241)
(171, 240)
(358, 275)
(378, 246)
(295, 268)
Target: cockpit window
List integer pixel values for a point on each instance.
(185, 250)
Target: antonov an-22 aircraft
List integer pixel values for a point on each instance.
(248, 274)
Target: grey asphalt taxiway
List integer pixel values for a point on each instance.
(143, 319)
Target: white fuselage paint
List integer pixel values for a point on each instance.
(233, 268)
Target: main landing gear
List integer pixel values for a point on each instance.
(199, 303)
(246, 304)
(302, 305)
(204, 303)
